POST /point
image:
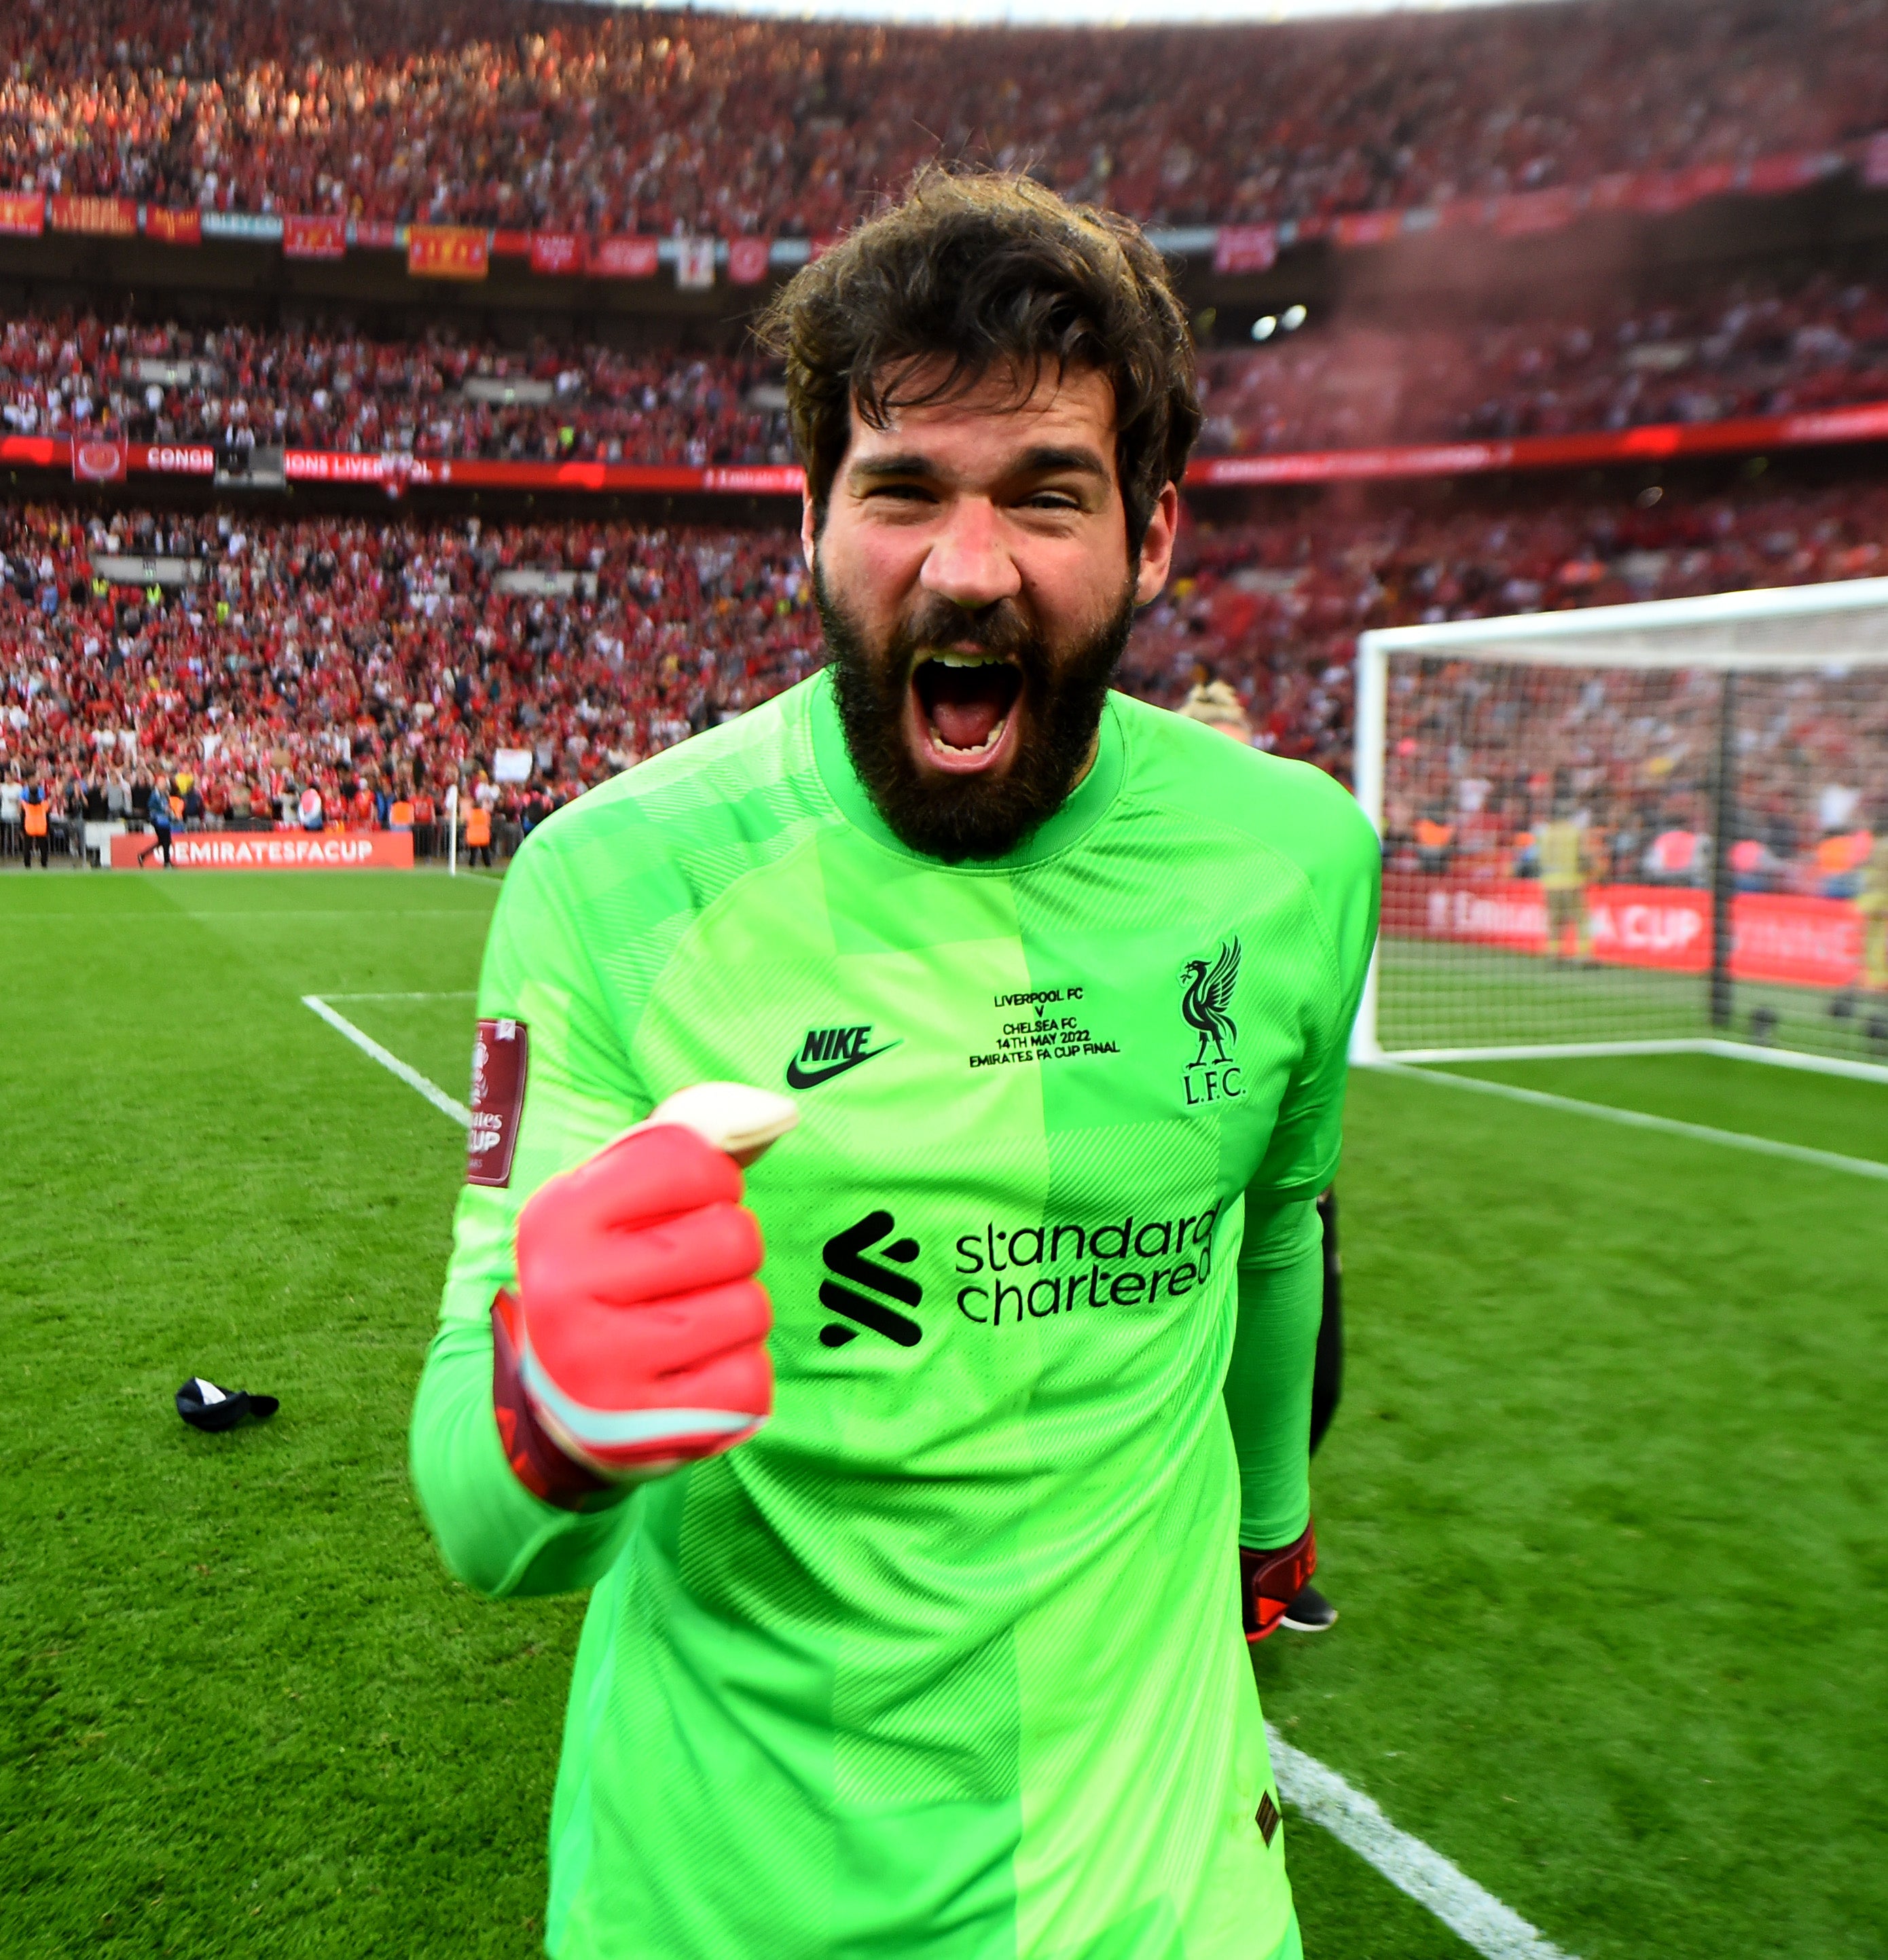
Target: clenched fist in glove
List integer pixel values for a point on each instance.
(636, 1339)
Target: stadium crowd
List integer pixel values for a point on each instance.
(1272, 605)
(544, 115)
(370, 660)
(1479, 759)
(365, 658)
(1752, 349)
(436, 396)
(1746, 350)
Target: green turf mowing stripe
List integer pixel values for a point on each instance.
(1466, 1909)
(1638, 1119)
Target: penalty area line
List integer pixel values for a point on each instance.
(368, 1046)
(1469, 1910)
(1638, 1119)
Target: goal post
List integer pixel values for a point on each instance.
(1632, 828)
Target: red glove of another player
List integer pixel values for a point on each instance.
(636, 1339)
(1269, 1581)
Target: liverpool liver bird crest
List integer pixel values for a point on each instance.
(1207, 998)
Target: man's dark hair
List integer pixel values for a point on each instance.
(990, 270)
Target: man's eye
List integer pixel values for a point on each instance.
(1052, 500)
(915, 493)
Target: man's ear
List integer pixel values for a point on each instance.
(1156, 547)
(809, 528)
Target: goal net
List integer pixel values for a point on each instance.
(1632, 827)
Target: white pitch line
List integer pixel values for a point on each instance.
(391, 1062)
(1428, 1878)
(452, 993)
(1638, 1119)
(1725, 1051)
(1467, 1910)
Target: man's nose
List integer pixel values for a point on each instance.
(968, 562)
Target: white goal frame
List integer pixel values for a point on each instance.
(1759, 631)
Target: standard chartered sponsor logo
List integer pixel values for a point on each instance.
(1038, 1271)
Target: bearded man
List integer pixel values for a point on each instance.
(923, 1545)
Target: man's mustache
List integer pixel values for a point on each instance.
(997, 628)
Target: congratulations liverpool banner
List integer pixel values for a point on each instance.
(270, 851)
(108, 217)
(447, 251)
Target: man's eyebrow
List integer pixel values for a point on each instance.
(1050, 460)
(1046, 459)
(873, 469)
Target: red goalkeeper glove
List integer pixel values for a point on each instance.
(636, 1339)
(1269, 1581)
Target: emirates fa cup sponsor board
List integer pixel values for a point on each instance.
(269, 850)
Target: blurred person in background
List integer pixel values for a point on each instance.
(1565, 866)
(158, 813)
(479, 834)
(36, 819)
(1872, 902)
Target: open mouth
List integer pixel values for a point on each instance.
(965, 704)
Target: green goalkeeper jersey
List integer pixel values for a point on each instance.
(946, 1662)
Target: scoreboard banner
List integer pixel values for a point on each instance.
(625, 258)
(313, 237)
(559, 252)
(1799, 941)
(447, 251)
(22, 213)
(173, 228)
(270, 851)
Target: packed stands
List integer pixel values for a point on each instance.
(490, 112)
(1749, 349)
(1274, 604)
(354, 655)
(345, 654)
(1479, 758)
(441, 396)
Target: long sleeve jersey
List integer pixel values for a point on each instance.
(946, 1662)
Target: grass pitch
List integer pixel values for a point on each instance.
(1601, 1510)
(1440, 993)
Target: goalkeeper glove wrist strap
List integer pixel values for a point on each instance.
(1269, 1581)
(535, 1461)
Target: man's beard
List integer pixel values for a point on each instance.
(956, 817)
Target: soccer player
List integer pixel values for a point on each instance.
(1872, 903)
(919, 1617)
(1564, 866)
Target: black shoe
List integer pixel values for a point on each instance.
(1310, 1612)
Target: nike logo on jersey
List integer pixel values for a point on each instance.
(843, 1254)
(829, 1051)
